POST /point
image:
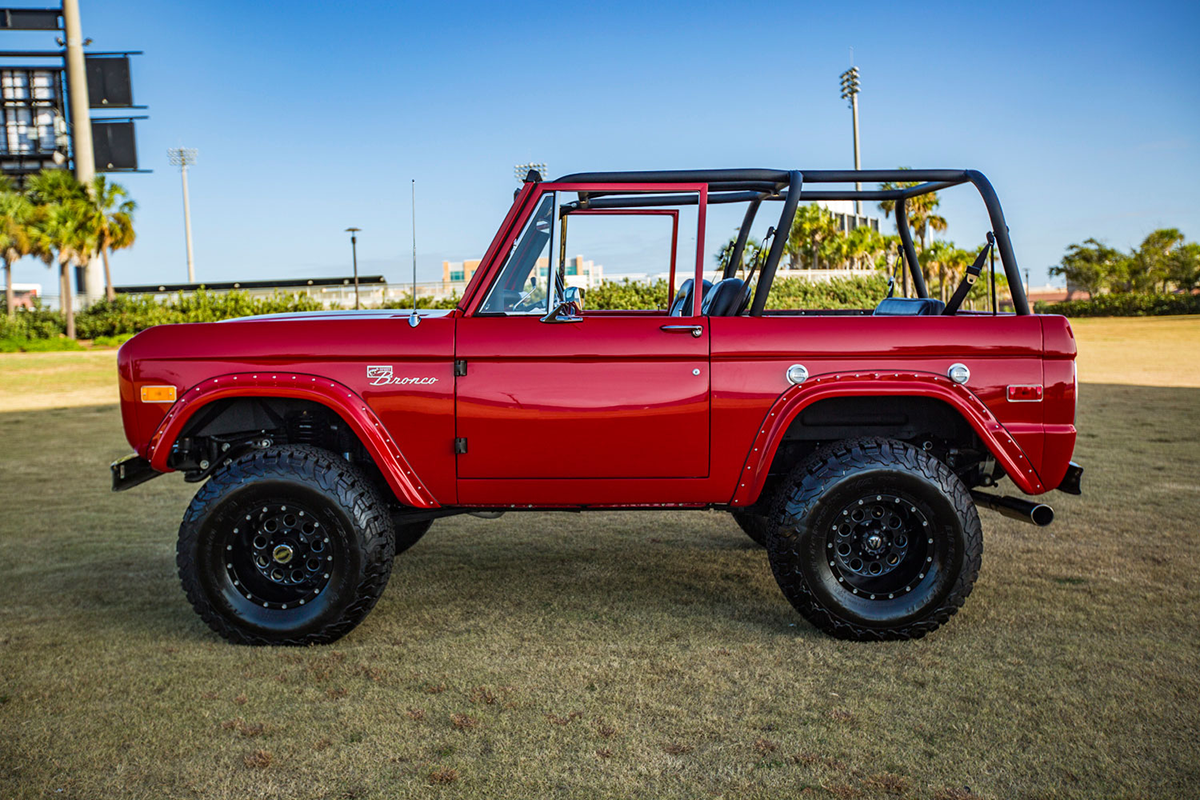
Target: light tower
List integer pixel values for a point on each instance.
(850, 93)
(521, 170)
(183, 157)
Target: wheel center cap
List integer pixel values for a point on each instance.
(282, 553)
(874, 541)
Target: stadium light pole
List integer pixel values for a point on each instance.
(183, 157)
(354, 257)
(521, 170)
(850, 93)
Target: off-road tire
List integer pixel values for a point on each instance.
(337, 499)
(754, 523)
(816, 505)
(409, 533)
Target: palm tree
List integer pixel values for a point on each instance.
(749, 252)
(63, 233)
(864, 244)
(922, 218)
(110, 222)
(16, 213)
(811, 226)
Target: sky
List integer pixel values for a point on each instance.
(311, 117)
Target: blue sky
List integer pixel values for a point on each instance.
(311, 117)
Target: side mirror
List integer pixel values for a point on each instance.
(565, 311)
(574, 294)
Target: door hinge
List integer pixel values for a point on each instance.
(460, 367)
(460, 445)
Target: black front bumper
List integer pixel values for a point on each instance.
(1071, 481)
(131, 471)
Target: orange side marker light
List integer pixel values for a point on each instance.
(158, 394)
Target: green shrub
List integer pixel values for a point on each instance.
(55, 344)
(405, 301)
(128, 314)
(112, 341)
(1124, 305)
(626, 295)
(858, 292)
(38, 322)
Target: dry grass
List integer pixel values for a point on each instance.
(1139, 351)
(659, 640)
(57, 380)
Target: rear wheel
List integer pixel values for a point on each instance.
(875, 539)
(288, 545)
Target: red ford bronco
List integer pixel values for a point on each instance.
(849, 443)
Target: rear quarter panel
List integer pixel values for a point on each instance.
(750, 357)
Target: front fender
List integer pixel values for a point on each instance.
(337, 397)
(859, 384)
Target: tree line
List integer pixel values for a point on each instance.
(60, 221)
(1165, 262)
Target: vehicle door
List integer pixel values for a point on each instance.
(550, 392)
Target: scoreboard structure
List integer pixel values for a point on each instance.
(35, 108)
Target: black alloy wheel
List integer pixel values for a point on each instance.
(288, 545)
(875, 539)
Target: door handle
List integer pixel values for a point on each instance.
(694, 330)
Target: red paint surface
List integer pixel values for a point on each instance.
(607, 411)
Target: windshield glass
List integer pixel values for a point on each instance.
(521, 285)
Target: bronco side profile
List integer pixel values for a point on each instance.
(851, 444)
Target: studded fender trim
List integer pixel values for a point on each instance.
(857, 384)
(338, 397)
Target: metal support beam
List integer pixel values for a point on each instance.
(910, 251)
(735, 258)
(81, 128)
(795, 182)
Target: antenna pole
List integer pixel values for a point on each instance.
(414, 320)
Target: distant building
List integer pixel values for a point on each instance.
(847, 220)
(24, 294)
(579, 272)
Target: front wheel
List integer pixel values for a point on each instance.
(875, 539)
(287, 545)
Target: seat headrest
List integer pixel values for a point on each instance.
(681, 306)
(909, 307)
(725, 299)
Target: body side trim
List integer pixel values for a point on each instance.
(880, 383)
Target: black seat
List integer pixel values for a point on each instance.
(726, 298)
(909, 307)
(681, 306)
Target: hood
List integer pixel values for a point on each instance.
(343, 314)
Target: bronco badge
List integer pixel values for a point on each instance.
(381, 375)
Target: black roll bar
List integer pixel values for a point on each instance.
(767, 276)
(735, 258)
(910, 252)
(757, 185)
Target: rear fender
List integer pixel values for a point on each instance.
(339, 398)
(881, 384)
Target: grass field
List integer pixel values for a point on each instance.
(632, 655)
